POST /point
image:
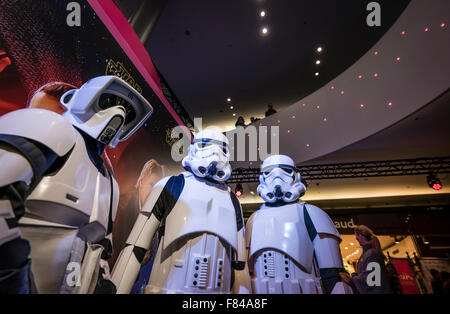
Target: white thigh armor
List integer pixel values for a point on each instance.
(199, 242)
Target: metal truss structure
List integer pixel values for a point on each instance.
(384, 168)
(176, 104)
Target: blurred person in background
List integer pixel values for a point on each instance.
(270, 110)
(436, 282)
(445, 276)
(366, 278)
(393, 279)
(240, 122)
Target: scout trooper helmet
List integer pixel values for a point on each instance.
(208, 156)
(279, 181)
(106, 108)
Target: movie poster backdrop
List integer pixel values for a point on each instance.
(37, 47)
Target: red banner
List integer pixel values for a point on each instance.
(405, 276)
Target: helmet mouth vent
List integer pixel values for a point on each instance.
(278, 192)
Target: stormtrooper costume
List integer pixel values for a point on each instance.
(200, 222)
(56, 196)
(293, 246)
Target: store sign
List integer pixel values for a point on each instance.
(344, 224)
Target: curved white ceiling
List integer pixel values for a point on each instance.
(404, 71)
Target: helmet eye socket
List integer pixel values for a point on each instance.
(201, 145)
(109, 100)
(288, 170)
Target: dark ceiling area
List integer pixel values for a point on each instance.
(211, 50)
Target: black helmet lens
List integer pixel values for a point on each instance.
(109, 100)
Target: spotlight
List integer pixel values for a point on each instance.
(238, 190)
(434, 182)
(396, 239)
(425, 241)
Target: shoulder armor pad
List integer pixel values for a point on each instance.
(321, 221)
(40, 125)
(152, 198)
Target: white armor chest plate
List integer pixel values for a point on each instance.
(282, 228)
(202, 208)
(76, 195)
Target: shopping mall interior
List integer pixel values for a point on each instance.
(363, 111)
(356, 93)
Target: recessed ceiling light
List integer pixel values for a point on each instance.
(264, 30)
(351, 243)
(252, 193)
(262, 13)
(234, 115)
(319, 49)
(231, 107)
(228, 99)
(316, 74)
(318, 62)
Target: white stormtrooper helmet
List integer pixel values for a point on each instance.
(208, 156)
(106, 108)
(279, 181)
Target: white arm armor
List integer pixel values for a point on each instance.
(128, 264)
(22, 160)
(42, 126)
(326, 243)
(327, 251)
